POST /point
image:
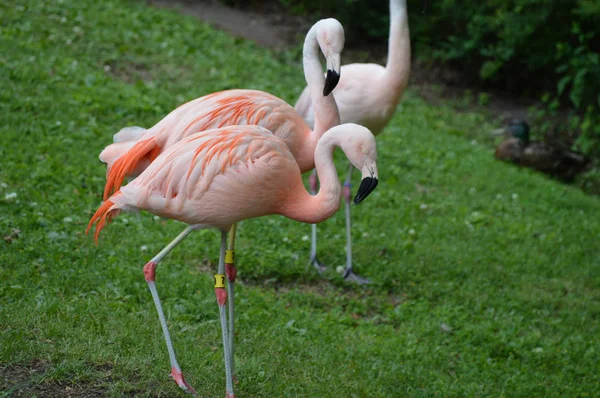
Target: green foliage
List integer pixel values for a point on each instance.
(526, 46)
(486, 278)
(579, 72)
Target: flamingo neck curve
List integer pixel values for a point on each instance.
(307, 208)
(326, 111)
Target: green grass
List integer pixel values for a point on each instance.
(486, 278)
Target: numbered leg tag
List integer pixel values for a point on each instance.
(229, 257)
(219, 280)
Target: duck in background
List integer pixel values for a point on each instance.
(517, 148)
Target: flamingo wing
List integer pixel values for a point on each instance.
(187, 169)
(225, 108)
(216, 177)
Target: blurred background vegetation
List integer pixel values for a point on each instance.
(543, 49)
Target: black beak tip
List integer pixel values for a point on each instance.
(331, 81)
(367, 186)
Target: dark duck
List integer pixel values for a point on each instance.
(518, 148)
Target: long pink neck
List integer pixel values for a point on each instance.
(398, 63)
(327, 114)
(304, 207)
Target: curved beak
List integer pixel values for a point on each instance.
(368, 184)
(333, 73)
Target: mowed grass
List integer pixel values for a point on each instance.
(485, 277)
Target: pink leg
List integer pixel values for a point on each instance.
(149, 273)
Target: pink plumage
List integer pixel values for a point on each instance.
(130, 155)
(219, 177)
(211, 163)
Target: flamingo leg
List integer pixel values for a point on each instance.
(221, 294)
(349, 274)
(231, 272)
(314, 261)
(149, 273)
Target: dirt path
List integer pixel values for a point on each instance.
(269, 26)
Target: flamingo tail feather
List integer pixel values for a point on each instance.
(105, 213)
(127, 163)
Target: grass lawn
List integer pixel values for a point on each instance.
(486, 277)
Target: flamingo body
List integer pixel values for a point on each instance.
(225, 108)
(219, 177)
(190, 182)
(134, 150)
(363, 96)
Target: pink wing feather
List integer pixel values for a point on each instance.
(226, 108)
(216, 177)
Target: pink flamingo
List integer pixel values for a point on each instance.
(135, 148)
(219, 177)
(367, 94)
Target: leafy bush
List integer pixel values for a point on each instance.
(526, 46)
(579, 72)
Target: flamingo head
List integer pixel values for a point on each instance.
(331, 39)
(359, 146)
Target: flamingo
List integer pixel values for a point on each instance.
(367, 94)
(219, 177)
(134, 148)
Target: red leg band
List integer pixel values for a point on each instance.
(221, 295)
(149, 271)
(231, 271)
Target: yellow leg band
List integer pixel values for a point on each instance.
(219, 280)
(229, 257)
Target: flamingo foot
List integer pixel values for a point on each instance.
(319, 266)
(350, 276)
(229, 395)
(177, 375)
